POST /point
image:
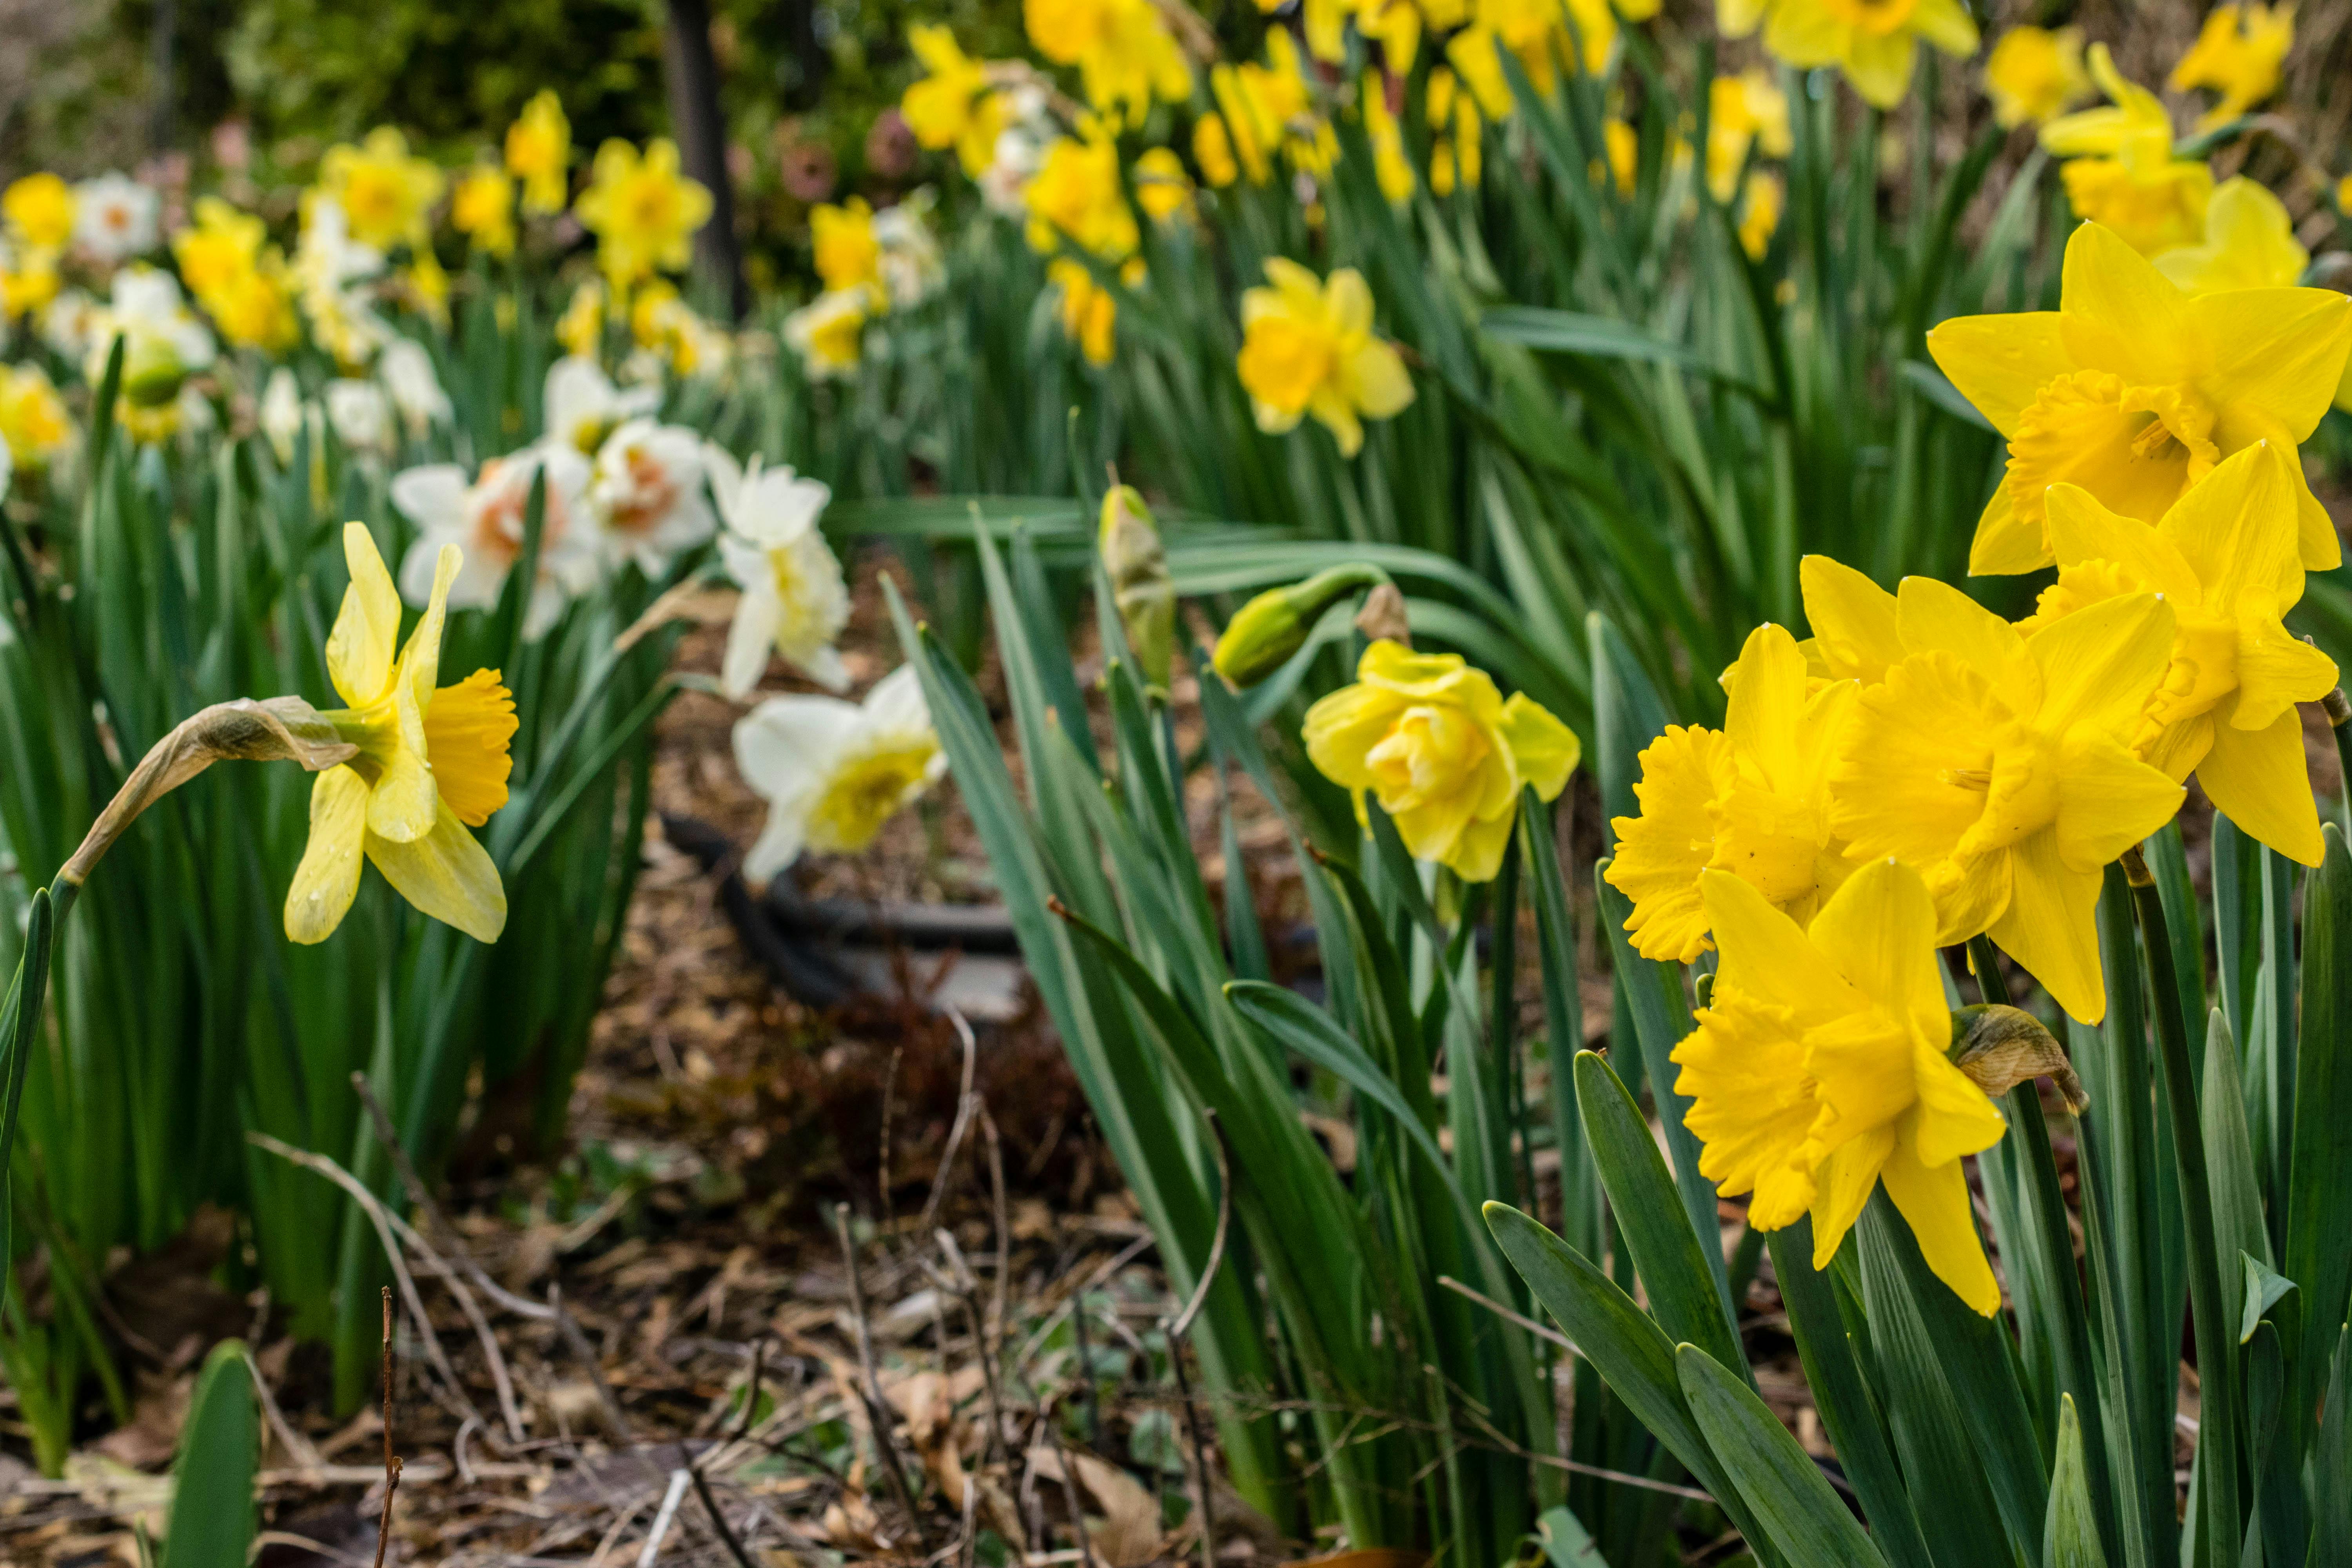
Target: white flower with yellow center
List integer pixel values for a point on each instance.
(114, 218)
(582, 406)
(648, 495)
(432, 763)
(360, 416)
(795, 601)
(834, 772)
(829, 332)
(487, 517)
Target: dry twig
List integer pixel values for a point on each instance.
(391, 1459)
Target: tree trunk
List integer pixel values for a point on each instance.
(693, 73)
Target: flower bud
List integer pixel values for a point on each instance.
(2000, 1047)
(151, 371)
(1267, 631)
(1137, 564)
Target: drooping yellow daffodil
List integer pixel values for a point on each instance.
(2237, 54)
(539, 154)
(1742, 112)
(2248, 244)
(431, 764)
(1999, 767)
(1309, 348)
(1391, 167)
(952, 105)
(384, 193)
(847, 255)
(2134, 390)
(1874, 42)
(1759, 214)
(1751, 799)
(1089, 311)
(642, 212)
(2120, 169)
(2035, 73)
(2224, 558)
(1263, 107)
(1441, 751)
(1818, 1069)
(482, 208)
(1126, 55)
(1458, 134)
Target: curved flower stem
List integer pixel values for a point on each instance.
(2217, 1350)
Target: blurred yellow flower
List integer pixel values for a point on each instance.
(2238, 53)
(1624, 147)
(1874, 42)
(482, 208)
(1999, 766)
(1437, 745)
(1269, 106)
(1308, 348)
(431, 764)
(2224, 557)
(1760, 213)
(829, 332)
(2134, 390)
(539, 154)
(2248, 244)
(848, 255)
(1075, 198)
(29, 281)
(642, 212)
(1163, 186)
(2119, 168)
(1212, 149)
(663, 323)
(1457, 144)
(581, 328)
(39, 210)
(2035, 73)
(1126, 55)
(1391, 167)
(1087, 312)
(241, 282)
(1539, 33)
(1751, 798)
(1818, 1071)
(952, 105)
(34, 424)
(384, 193)
(222, 244)
(427, 284)
(1396, 27)
(1742, 112)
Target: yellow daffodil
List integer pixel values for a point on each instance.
(1457, 145)
(1307, 347)
(1742, 112)
(2237, 54)
(1625, 148)
(642, 212)
(1435, 744)
(1538, 33)
(482, 209)
(2134, 390)
(952, 105)
(847, 254)
(1759, 212)
(1089, 311)
(2036, 74)
(1126, 55)
(384, 193)
(1212, 149)
(1162, 186)
(29, 280)
(431, 764)
(1818, 1071)
(1751, 798)
(222, 244)
(39, 210)
(2120, 169)
(829, 332)
(2248, 244)
(581, 328)
(240, 282)
(34, 424)
(1396, 25)
(1267, 107)
(1075, 197)
(1874, 42)
(2224, 558)
(1391, 167)
(2000, 765)
(539, 154)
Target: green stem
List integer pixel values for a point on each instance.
(2216, 1350)
(2339, 724)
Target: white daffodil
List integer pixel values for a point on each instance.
(329, 266)
(67, 324)
(409, 375)
(913, 268)
(829, 332)
(648, 495)
(115, 218)
(582, 406)
(360, 416)
(794, 602)
(832, 771)
(163, 342)
(485, 518)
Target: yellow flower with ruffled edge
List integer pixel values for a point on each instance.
(1391, 169)
(2248, 244)
(952, 105)
(384, 193)
(39, 210)
(2134, 390)
(841, 239)
(2036, 74)
(1742, 112)
(1075, 198)
(1818, 1071)
(539, 154)
(2224, 558)
(2120, 169)
(2238, 53)
(1162, 187)
(482, 208)
(1126, 55)
(1309, 348)
(642, 212)
(1759, 212)
(1751, 798)
(431, 764)
(1434, 741)
(1874, 42)
(1999, 765)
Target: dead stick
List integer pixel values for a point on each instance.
(1179, 1326)
(727, 1536)
(391, 1459)
(966, 1102)
(1064, 1463)
(877, 1408)
(574, 1336)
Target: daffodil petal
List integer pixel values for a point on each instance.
(1343, 726)
(2259, 780)
(1846, 1179)
(367, 627)
(1767, 956)
(2051, 926)
(2000, 363)
(2119, 312)
(1931, 614)
(2108, 800)
(2278, 349)
(1853, 619)
(447, 874)
(1879, 929)
(1934, 1201)
(1661, 852)
(1767, 699)
(2083, 529)
(1954, 1117)
(328, 878)
(1544, 749)
(1751, 1108)
(2099, 663)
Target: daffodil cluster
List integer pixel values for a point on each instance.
(869, 263)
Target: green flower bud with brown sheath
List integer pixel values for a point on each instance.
(1265, 632)
(2000, 1047)
(1137, 564)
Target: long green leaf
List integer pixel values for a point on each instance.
(1799, 1512)
(212, 1519)
(2070, 1538)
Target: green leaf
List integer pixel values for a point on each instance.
(1566, 1542)
(2265, 1286)
(2070, 1539)
(2319, 1191)
(2331, 1455)
(1800, 1512)
(212, 1480)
